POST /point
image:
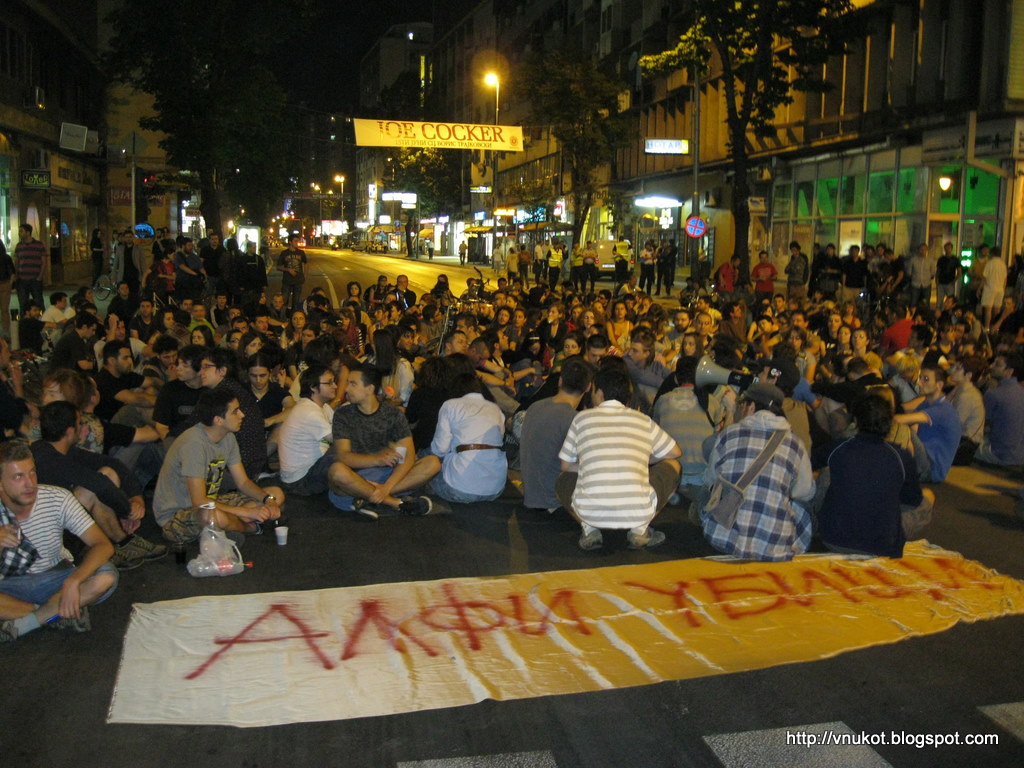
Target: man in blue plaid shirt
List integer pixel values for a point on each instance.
(773, 521)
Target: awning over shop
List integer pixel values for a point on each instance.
(535, 225)
(476, 230)
(426, 233)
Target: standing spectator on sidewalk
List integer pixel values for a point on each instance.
(7, 273)
(947, 273)
(188, 271)
(29, 257)
(922, 272)
(796, 272)
(292, 263)
(763, 274)
(993, 285)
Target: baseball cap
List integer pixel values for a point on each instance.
(765, 394)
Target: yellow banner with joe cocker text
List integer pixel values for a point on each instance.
(408, 133)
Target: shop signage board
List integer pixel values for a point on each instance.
(35, 179)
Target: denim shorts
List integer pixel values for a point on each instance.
(37, 588)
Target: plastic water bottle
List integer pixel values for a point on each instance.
(200, 567)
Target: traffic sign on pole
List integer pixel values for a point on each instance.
(696, 226)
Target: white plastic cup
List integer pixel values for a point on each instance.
(400, 450)
(281, 532)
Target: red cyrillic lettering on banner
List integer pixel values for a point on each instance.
(680, 599)
(462, 621)
(719, 592)
(242, 637)
(809, 575)
(372, 613)
(791, 593)
(880, 575)
(950, 568)
(562, 596)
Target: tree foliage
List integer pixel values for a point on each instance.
(215, 98)
(761, 51)
(580, 104)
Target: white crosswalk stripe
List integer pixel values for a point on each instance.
(789, 748)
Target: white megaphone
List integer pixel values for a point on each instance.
(709, 372)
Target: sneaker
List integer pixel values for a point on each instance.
(127, 558)
(651, 538)
(71, 624)
(591, 541)
(417, 505)
(365, 509)
(150, 550)
(7, 631)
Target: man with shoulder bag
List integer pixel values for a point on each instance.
(759, 482)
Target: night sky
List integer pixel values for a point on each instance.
(321, 69)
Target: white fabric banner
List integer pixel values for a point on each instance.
(265, 659)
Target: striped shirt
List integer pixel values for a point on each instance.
(54, 511)
(30, 257)
(614, 446)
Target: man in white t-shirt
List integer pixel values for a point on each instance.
(619, 468)
(303, 444)
(38, 586)
(994, 285)
(58, 313)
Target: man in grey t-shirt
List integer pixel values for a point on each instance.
(376, 459)
(194, 469)
(544, 429)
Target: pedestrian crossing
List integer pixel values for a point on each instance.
(810, 745)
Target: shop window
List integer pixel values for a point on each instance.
(804, 197)
(878, 231)
(851, 195)
(912, 192)
(945, 200)
(981, 197)
(825, 232)
(782, 203)
(825, 199)
(880, 188)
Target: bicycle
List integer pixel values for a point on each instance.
(103, 286)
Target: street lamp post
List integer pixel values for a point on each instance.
(341, 180)
(320, 201)
(494, 82)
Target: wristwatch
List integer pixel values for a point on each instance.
(269, 497)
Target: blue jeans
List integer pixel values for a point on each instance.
(440, 487)
(37, 588)
(30, 290)
(374, 475)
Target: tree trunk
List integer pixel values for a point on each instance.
(210, 205)
(741, 205)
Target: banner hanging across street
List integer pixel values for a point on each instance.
(285, 657)
(405, 133)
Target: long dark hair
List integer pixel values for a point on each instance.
(385, 351)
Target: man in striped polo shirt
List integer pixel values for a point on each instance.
(37, 585)
(619, 468)
(28, 255)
